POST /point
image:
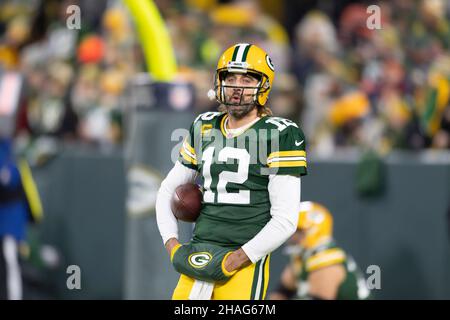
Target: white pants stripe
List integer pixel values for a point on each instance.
(13, 277)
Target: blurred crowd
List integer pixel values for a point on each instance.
(385, 88)
(346, 84)
(74, 80)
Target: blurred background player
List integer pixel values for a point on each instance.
(19, 204)
(319, 269)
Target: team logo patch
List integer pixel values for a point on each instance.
(269, 63)
(199, 259)
(206, 128)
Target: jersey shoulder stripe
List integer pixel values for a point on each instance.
(287, 155)
(293, 158)
(325, 258)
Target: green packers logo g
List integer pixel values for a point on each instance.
(199, 259)
(269, 63)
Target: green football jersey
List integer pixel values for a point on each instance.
(235, 171)
(353, 287)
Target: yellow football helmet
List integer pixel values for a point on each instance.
(245, 58)
(317, 223)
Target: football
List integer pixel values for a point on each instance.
(187, 202)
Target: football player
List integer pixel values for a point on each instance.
(250, 163)
(319, 269)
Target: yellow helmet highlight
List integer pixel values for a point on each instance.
(316, 222)
(245, 58)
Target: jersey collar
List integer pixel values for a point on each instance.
(229, 135)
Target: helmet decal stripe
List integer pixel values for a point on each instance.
(240, 53)
(244, 56)
(233, 58)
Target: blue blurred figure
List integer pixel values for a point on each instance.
(19, 204)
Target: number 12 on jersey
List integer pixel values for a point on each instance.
(240, 176)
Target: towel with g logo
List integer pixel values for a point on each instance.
(202, 261)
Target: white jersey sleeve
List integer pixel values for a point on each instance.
(284, 193)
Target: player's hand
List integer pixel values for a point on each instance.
(237, 259)
(170, 244)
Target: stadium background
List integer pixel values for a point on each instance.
(95, 115)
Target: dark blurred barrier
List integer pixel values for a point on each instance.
(151, 144)
(83, 196)
(404, 231)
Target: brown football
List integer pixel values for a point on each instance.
(187, 202)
